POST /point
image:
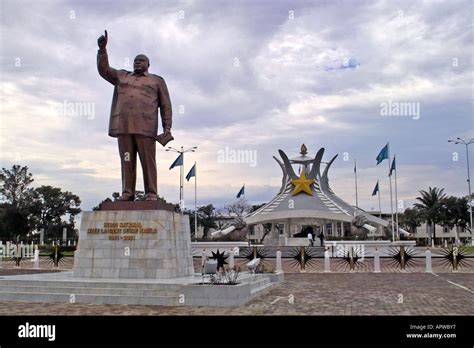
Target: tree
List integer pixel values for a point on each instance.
(15, 211)
(267, 227)
(206, 218)
(26, 208)
(454, 212)
(115, 195)
(411, 219)
(14, 222)
(14, 184)
(49, 205)
(430, 206)
(238, 209)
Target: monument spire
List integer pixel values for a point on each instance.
(303, 150)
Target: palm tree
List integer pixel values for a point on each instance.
(430, 205)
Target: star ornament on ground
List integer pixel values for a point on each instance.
(302, 184)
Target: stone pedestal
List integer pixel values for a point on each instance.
(134, 244)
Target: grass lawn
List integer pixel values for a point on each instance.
(469, 248)
(65, 253)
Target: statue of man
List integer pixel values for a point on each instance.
(134, 118)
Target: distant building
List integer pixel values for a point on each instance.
(443, 233)
(307, 204)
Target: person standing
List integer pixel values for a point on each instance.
(310, 238)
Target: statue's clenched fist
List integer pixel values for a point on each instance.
(102, 41)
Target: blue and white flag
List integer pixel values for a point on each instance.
(376, 189)
(393, 167)
(178, 161)
(241, 192)
(383, 154)
(191, 173)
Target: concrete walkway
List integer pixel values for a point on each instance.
(312, 294)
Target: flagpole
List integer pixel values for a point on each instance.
(391, 194)
(355, 173)
(396, 200)
(195, 199)
(380, 206)
(181, 171)
(181, 182)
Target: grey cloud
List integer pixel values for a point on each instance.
(282, 61)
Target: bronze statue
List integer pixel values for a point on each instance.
(134, 119)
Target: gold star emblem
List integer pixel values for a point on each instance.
(302, 184)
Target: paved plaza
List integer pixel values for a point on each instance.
(310, 294)
(361, 292)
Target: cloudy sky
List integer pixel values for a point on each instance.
(253, 76)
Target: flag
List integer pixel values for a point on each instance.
(355, 169)
(192, 172)
(241, 192)
(393, 167)
(383, 154)
(376, 189)
(178, 161)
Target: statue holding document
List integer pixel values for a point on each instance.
(137, 97)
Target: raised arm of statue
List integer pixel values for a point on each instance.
(108, 73)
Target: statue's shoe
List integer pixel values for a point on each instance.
(151, 198)
(126, 197)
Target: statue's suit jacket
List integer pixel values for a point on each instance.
(136, 100)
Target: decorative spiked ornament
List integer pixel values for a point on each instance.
(18, 258)
(402, 257)
(455, 257)
(303, 256)
(352, 258)
(56, 257)
(260, 253)
(220, 257)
